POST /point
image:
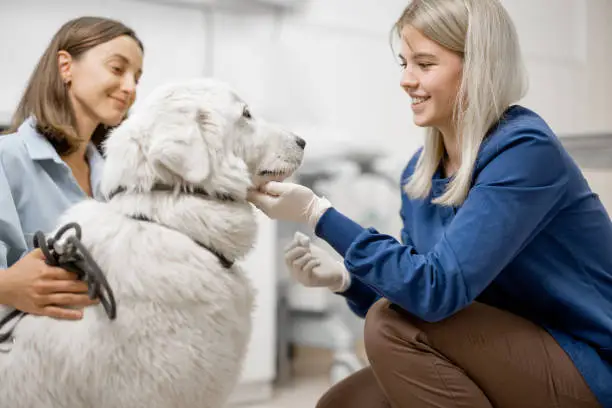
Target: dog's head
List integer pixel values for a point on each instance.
(198, 133)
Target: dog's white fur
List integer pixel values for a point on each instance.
(183, 321)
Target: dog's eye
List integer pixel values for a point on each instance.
(246, 112)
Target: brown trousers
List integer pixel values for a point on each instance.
(481, 357)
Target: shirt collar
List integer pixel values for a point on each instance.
(39, 148)
(37, 145)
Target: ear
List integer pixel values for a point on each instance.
(64, 63)
(179, 147)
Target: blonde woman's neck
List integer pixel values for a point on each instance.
(451, 158)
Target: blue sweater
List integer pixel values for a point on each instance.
(531, 238)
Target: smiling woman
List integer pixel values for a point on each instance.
(83, 84)
(499, 293)
(85, 81)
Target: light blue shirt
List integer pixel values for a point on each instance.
(36, 187)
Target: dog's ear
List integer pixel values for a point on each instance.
(180, 147)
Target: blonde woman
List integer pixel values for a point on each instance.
(500, 293)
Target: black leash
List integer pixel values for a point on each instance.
(191, 190)
(15, 314)
(76, 259)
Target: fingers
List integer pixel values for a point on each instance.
(63, 286)
(253, 195)
(302, 269)
(299, 262)
(261, 200)
(52, 272)
(276, 188)
(61, 313)
(310, 265)
(69, 300)
(295, 253)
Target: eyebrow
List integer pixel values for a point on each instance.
(125, 60)
(418, 55)
(423, 55)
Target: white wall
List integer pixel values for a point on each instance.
(599, 50)
(329, 66)
(568, 50)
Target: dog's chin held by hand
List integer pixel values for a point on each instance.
(261, 180)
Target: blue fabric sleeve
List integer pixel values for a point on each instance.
(514, 196)
(12, 244)
(359, 296)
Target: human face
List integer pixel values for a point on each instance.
(102, 81)
(431, 76)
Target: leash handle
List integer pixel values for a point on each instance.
(77, 259)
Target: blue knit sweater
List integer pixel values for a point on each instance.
(531, 238)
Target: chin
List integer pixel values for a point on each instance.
(112, 120)
(279, 175)
(422, 123)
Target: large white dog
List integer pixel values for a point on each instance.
(176, 174)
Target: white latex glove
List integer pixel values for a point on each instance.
(289, 202)
(312, 266)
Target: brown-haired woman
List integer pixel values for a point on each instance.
(84, 83)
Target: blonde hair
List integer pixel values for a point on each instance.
(482, 32)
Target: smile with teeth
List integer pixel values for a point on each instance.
(419, 100)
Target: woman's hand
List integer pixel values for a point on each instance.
(312, 266)
(32, 286)
(289, 202)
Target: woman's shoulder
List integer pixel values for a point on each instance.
(12, 146)
(518, 128)
(13, 151)
(522, 147)
(518, 121)
(410, 166)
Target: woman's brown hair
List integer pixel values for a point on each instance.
(46, 95)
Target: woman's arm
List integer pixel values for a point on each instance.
(12, 242)
(514, 196)
(360, 297)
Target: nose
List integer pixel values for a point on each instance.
(300, 142)
(409, 80)
(128, 85)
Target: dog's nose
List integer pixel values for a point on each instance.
(300, 142)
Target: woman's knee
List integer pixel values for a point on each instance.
(360, 390)
(384, 328)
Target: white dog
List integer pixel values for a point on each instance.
(176, 174)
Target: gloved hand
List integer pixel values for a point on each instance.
(289, 202)
(312, 266)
